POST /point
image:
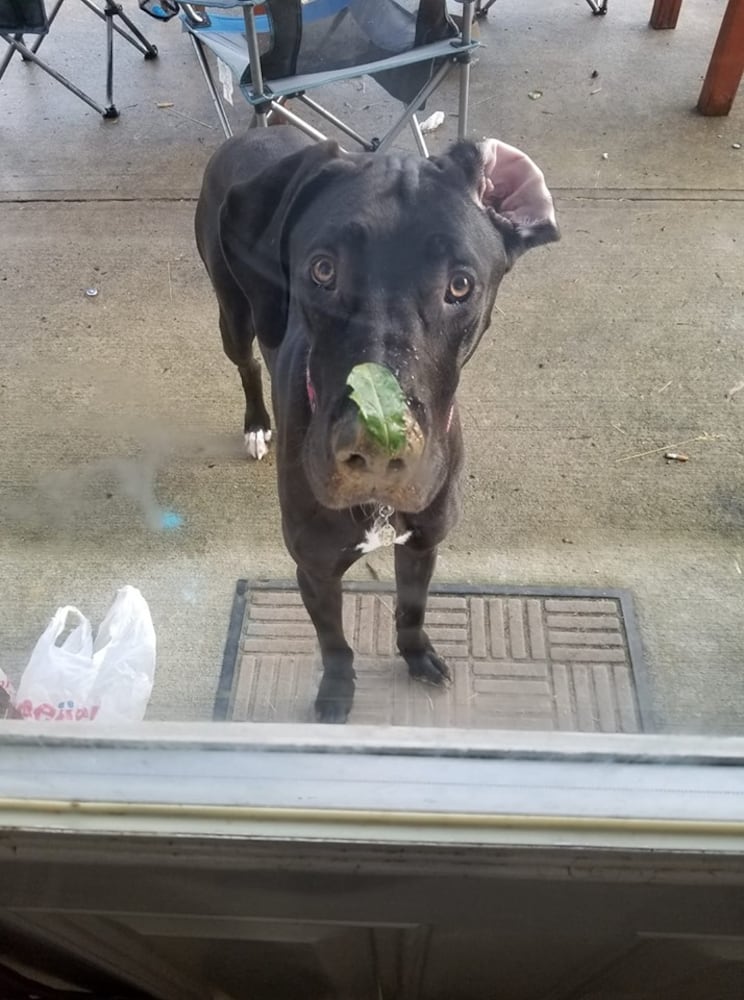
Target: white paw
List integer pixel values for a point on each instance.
(257, 443)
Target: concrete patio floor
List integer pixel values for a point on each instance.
(624, 338)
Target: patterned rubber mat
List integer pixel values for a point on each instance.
(521, 658)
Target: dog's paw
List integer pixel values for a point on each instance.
(428, 667)
(335, 698)
(257, 443)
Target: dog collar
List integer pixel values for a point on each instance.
(312, 398)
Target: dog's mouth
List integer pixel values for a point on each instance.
(346, 466)
(337, 493)
(352, 476)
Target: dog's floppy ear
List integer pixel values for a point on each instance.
(253, 224)
(512, 189)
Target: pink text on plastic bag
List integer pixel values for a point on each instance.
(63, 712)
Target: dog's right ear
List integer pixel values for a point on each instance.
(254, 219)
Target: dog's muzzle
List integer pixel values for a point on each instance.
(363, 471)
(364, 467)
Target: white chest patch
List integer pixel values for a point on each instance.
(374, 539)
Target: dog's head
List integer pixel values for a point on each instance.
(388, 259)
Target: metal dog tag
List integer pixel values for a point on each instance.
(387, 535)
(382, 526)
(382, 533)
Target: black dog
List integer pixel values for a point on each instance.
(333, 259)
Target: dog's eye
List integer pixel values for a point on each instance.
(323, 271)
(460, 286)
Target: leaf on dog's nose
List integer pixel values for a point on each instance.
(382, 405)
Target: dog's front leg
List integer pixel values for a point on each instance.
(413, 572)
(323, 599)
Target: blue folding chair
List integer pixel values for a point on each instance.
(282, 49)
(19, 18)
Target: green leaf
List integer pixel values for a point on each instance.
(382, 405)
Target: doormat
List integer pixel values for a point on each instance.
(521, 658)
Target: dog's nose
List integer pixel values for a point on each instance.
(359, 457)
(367, 461)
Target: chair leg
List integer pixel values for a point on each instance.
(50, 21)
(271, 113)
(37, 44)
(418, 135)
(340, 125)
(111, 111)
(209, 79)
(30, 56)
(291, 117)
(462, 111)
(467, 34)
(145, 46)
(11, 40)
(426, 91)
(111, 11)
(136, 39)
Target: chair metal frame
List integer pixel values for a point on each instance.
(482, 7)
(108, 13)
(268, 98)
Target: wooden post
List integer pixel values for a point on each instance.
(665, 13)
(726, 64)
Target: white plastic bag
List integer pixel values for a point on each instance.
(7, 695)
(109, 680)
(433, 122)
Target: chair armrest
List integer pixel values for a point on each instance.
(197, 13)
(224, 4)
